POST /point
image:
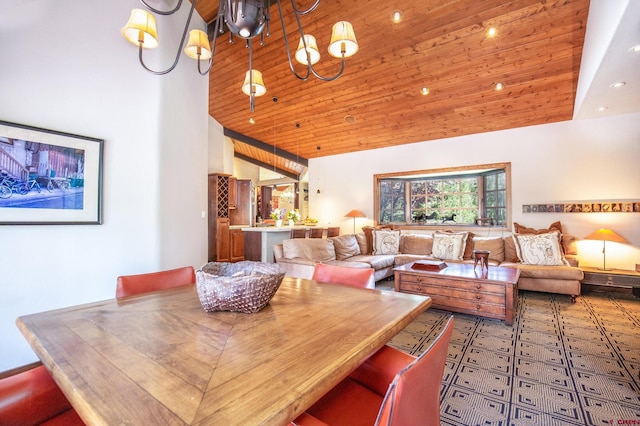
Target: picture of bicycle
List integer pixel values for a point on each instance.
(9, 185)
(62, 183)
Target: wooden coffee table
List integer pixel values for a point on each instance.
(491, 293)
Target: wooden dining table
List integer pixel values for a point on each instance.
(160, 358)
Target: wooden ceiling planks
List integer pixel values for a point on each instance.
(442, 45)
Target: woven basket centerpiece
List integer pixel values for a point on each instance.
(239, 287)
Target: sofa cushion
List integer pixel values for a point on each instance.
(449, 245)
(362, 242)
(416, 244)
(368, 235)
(540, 249)
(510, 254)
(345, 246)
(376, 261)
(385, 241)
(495, 246)
(547, 272)
(319, 249)
(403, 259)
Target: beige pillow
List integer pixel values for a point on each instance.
(539, 249)
(346, 246)
(385, 241)
(319, 249)
(495, 246)
(362, 242)
(449, 245)
(416, 244)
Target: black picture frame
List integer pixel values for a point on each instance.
(53, 177)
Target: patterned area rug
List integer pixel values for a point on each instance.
(558, 364)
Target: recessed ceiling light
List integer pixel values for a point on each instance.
(602, 108)
(491, 32)
(425, 91)
(349, 119)
(396, 16)
(635, 49)
(252, 121)
(498, 86)
(617, 84)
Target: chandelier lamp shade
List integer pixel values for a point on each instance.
(245, 19)
(605, 235)
(354, 213)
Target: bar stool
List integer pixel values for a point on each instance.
(298, 233)
(316, 232)
(333, 231)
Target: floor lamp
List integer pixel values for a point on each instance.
(605, 235)
(354, 214)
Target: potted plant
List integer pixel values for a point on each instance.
(293, 216)
(277, 215)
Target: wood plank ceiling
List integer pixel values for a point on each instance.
(440, 44)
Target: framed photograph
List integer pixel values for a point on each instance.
(49, 177)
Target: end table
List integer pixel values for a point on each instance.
(612, 278)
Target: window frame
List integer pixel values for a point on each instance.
(451, 172)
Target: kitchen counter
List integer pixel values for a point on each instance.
(259, 241)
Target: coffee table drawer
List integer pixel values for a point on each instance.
(415, 283)
(472, 295)
(469, 307)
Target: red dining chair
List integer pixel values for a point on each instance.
(354, 277)
(128, 285)
(391, 388)
(32, 397)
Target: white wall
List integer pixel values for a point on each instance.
(66, 67)
(586, 160)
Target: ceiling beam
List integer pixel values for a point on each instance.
(266, 147)
(267, 166)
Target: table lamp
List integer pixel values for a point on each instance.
(605, 235)
(354, 214)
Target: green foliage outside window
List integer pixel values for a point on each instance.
(429, 200)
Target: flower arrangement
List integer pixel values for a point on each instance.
(277, 214)
(293, 216)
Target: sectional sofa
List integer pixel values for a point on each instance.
(547, 260)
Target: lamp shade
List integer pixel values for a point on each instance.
(141, 29)
(312, 48)
(605, 235)
(259, 88)
(343, 38)
(355, 213)
(198, 45)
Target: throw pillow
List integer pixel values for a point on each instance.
(346, 246)
(519, 229)
(386, 241)
(539, 249)
(448, 245)
(468, 247)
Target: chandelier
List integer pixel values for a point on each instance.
(245, 19)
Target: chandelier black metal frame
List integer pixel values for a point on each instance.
(245, 19)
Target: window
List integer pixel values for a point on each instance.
(476, 195)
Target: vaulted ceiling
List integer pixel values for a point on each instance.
(377, 102)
